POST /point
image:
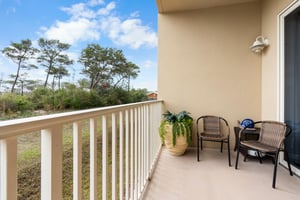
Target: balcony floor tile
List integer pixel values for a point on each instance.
(183, 178)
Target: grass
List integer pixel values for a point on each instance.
(29, 165)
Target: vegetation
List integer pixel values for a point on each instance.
(181, 124)
(52, 58)
(19, 53)
(107, 82)
(104, 68)
(107, 79)
(69, 98)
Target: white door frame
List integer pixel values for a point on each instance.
(280, 21)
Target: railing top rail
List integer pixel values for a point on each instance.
(11, 128)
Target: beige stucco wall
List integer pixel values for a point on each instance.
(270, 11)
(205, 65)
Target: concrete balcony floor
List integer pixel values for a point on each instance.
(183, 178)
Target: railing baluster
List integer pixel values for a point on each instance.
(146, 144)
(113, 148)
(135, 154)
(131, 154)
(146, 140)
(121, 156)
(77, 160)
(104, 159)
(93, 159)
(51, 163)
(150, 140)
(142, 148)
(153, 124)
(139, 151)
(8, 168)
(127, 154)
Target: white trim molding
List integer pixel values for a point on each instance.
(280, 68)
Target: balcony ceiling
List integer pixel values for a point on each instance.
(183, 5)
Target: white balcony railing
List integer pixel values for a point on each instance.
(133, 129)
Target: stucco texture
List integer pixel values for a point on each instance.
(205, 65)
(270, 66)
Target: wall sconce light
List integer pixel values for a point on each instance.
(259, 44)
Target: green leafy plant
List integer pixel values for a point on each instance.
(181, 124)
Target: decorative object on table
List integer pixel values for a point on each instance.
(271, 142)
(212, 131)
(176, 131)
(249, 123)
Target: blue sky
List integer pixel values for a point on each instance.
(130, 25)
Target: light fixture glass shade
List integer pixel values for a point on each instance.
(259, 44)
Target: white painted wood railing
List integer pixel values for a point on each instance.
(135, 146)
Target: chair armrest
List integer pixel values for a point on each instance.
(227, 126)
(288, 131)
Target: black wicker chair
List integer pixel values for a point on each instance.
(270, 142)
(209, 129)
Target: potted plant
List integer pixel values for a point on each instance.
(175, 131)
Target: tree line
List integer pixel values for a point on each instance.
(45, 100)
(102, 67)
(106, 70)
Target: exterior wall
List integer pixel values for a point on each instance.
(205, 65)
(270, 11)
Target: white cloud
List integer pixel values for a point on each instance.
(95, 2)
(134, 34)
(79, 11)
(73, 31)
(107, 9)
(111, 26)
(129, 32)
(73, 55)
(135, 14)
(87, 24)
(37, 74)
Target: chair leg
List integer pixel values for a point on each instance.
(275, 169)
(259, 158)
(198, 149)
(201, 143)
(229, 158)
(288, 162)
(273, 160)
(222, 146)
(246, 154)
(237, 156)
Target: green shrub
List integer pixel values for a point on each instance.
(42, 98)
(23, 103)
(11, 104)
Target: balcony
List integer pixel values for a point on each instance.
(144, 171)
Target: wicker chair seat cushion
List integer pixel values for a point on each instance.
(213, 135)
(259, 146)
